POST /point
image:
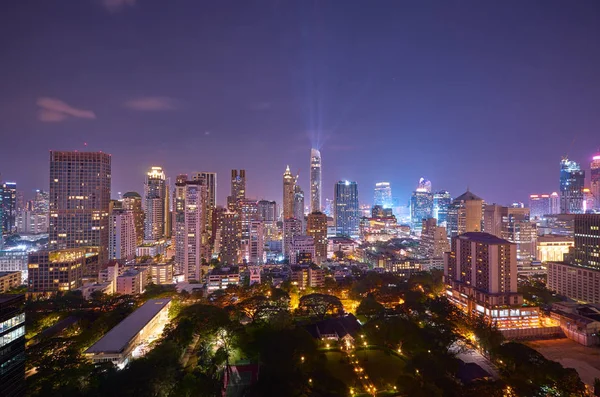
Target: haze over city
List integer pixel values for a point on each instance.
(489, 95)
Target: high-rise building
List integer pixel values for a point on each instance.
(316, 227)
(256, 242)
(579, 276)
(191, 241)
(248, 210)
(156, 205)
(595, 180)
(347, 216)
(226, 225)
(9, 207)
(315, 180)
(41, 202)
(132, 201)
(572, 180)
(121, 236)
(543, 204)
(79, 201)
(60, 270)
(480, 271)
(30, 222)
(465, 214)
(421, 205)
(238, 189)
(441, 202)
(267, 210)
(210, 181)
(12, 347)
(302, 250)
(383, 195)
(434, 242)
(289, 183)
(298, 203)
(291, 227)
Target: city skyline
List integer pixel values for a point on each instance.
(308, 81)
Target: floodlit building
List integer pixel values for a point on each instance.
(132, 201)
(317, 228)
(480, 272)
(61, 270)
(221, 278)
(315, 180)
(238, 189)
(79, 202)
(8, 202)
(383, 195)
(121, 236)
(572, 181)
(161, 273)
(441, 203)
(289, 182)
(346, 212)
(421, 205)
(143, 325)
(465, 214)
(595, 180)
(307, 276)
(553, 247)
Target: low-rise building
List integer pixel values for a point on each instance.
(580, 323)
(60, 270)
(307, 276)
(132, 281)
(13, 261)
(161, 273)
(553, 247)
(107, 288)
(143, 325)
(302, 250)
(221, 278)
(9, 280)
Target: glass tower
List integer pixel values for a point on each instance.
(347, 213)
(572, 179)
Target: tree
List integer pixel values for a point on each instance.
(320, 305)
(370, 307)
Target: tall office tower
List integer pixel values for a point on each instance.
(238, 189)
(121, 236)
(346, 213)
(589, 201)
(329, 207)
(132, 201)
(512, 224)
(424, 185)
(289, 183)
(79, 202)
(60, 270)
(256, 242)
(267, 210)
(12, 348)
(291, 227)
(298, 202)
(156, 205)
(579, 276)
(226, 239)
(316, 227)
(383, 195)
(540, 205)
(421, 205)
(248, 210)
(441, 202)
(572, 179)
(30, 222)
(210, 181)
(595, 180)
(191, 243)
(41, 202)
(315, 180)
(434, 242)
(9, 207)
(465, 214)
(554, 203)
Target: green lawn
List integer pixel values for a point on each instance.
(340, 368)
(383, 369)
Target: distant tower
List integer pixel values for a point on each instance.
(317, 228)
(132, 201)
(465, 214)
(210, 181)
(421, 205)
(347, 215)
(298, 202)
(441, 202)
(8, 201)
(383, 195)
(156, 206)
(288, 193)
(238, 188)
(315, 180)
(572, 179)
(595, 180)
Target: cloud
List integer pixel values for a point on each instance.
(53, 110)
(151, 104)
(117, 5)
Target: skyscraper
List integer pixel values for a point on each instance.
(316, 227)
(9, 207)
(79, 202)
(238, 188)
(315, 180)
(291, 227)
(156, 206)
(132, 201)
(465, 214)
(595, 180)
(347, 216)
(267, 210)
(543, 204)
(421, 205)
(298, 203)
(383, 195)
(441, 202)
(226, 239)
(289, 183)
(434, 242)
(572, 179)
(121, 235)
(210, 181)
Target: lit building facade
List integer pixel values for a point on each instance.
(441, 202)
(289, 183)
(465, 214)
(553, 247)
(292, 227)
(347, 216)
(226, 225)
(595, 180)
(434, 242)
(302, 250)
(421, 205)
(132, 201)
(12, 345)
(61, 270)
(316, 227)
(156, 205)
(8, 201)
(238, 189)
(315, 180)
(383, 195)
(572, 180)
(79, 202)
(543, 204)
(30, 222)
(121, 236)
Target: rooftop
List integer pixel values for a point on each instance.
(467, 196)
(546, 238)
(119, 337)
(483, 238)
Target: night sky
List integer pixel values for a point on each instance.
(485, 94)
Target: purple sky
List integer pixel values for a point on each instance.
(485, 94)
